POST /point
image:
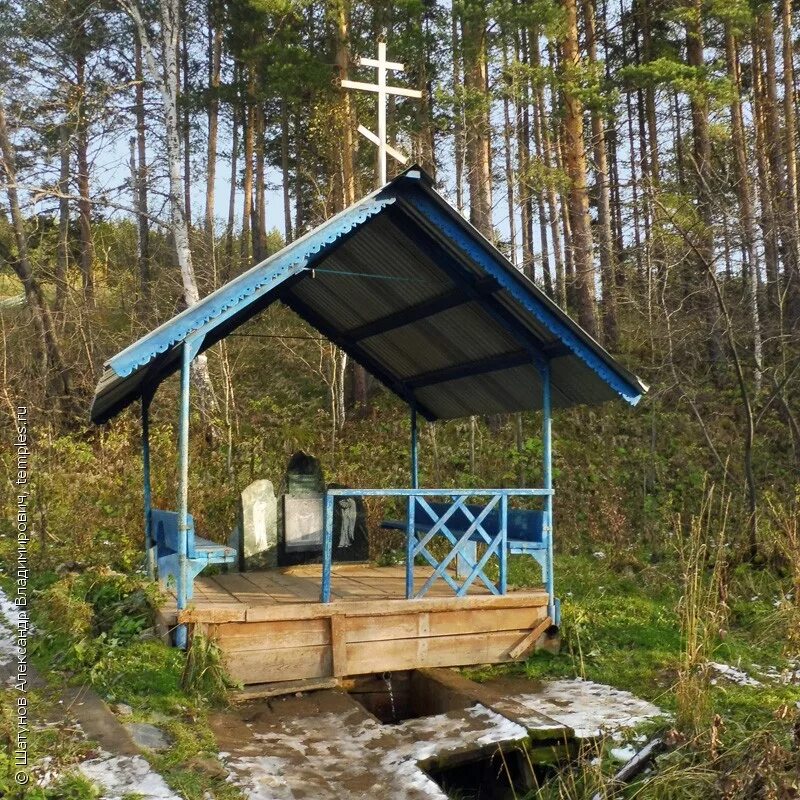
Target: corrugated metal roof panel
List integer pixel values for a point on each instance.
(416, 295)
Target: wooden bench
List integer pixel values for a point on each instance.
(200, 552)
(524, 530)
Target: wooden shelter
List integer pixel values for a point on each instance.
(412, 292)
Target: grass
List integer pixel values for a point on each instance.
(622, 616)
(96, 628)
(621, 625)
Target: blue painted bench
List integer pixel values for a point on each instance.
(524, 534)
(525, 527)
(200, 552)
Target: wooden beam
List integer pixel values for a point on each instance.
(261, 691)
(339, 645)
(427, 308)
(482, 366)
(355, 352)
(459, 272)
(528, 642)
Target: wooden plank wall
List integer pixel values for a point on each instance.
(359, 643)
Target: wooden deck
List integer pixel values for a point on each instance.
(271, 626)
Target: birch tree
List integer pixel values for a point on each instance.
(161, 60)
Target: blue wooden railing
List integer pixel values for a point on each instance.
(463, 526)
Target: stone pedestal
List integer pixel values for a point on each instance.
(301, 511)
(258, 527)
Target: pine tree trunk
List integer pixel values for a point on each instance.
(62, 247)
(229, 231)
(82, 153)
(701, 151)
(260, 205)
(55, 372)
(248, 122)
(214, 80)
(790, 149)
(603, 191)
(765, 190)
(744, 194)
(509, 175)
(458, 111)
(575, 163)
(285, 174)
(523, 126)
(775, 151)
(476, 116)
(541, 130)
(634, 176)
(299, 211)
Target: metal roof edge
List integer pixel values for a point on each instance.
(467, 238)
(271, 271)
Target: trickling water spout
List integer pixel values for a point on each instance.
(387, 679)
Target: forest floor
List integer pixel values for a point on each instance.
(622, 621)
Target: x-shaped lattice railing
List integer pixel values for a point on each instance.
(494, 545)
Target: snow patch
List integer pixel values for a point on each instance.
(733, 674)
(9, 625)
(349, 755)
(622, 754)
(118, 776)
(590, 709)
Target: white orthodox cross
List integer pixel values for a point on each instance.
(382, 90)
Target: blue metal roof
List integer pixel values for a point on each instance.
(412, 292)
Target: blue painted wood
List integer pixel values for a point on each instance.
(459, 543)
(248, 287)
(149, 542)
(411, 541)
(481, 254)
(439, 515)
(440, 569)
(327, 549)
(185, 580)
(414, 449)
(547, 468)
(411, 535)
(477, 571)
(437, 492)
(169, 539)
(525, 526)
(503, 554)
(501, 529)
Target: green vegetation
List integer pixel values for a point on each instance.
(625, 624)
(95, 628)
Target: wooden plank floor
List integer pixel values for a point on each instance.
(279, 593)
(271, 624)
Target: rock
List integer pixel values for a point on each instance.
(148, 736)
(205, 765)
(122, 709)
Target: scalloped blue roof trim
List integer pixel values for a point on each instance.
(471, 245)
(245, 289)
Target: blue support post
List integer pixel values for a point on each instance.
(150, 545)
(184, 590)
(327, 549)
(547, 451)
(411, 507)
(503, 583)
